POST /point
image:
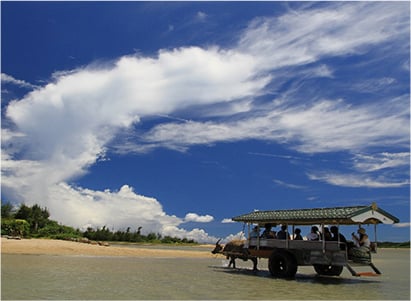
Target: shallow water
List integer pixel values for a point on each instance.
(87, 277)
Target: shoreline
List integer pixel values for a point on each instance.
(62, 247)
(39, 246)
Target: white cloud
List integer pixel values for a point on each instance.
(227, 221)
(196, 234)
(402, 225)
(288, 157)
(370, 163)
(356, 180)
(288, 185)
(66, 124)
(87, 107)
(201, 16)
(81, 207)
(321, 127)
(238, 236)
(194, 217)
(8, 79)
(374, 85)
(302, 36)
(382, 170)
(335, 125)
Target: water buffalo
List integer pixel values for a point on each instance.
(235, 249)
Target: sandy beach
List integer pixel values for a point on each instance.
(60, 247)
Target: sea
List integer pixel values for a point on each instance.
(48, 277)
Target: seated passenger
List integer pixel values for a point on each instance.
(361, 251)
(327, 234)
(313, 235)
(255, 233)
(336, 235)
(283, 233)
(297, 234)
(362, 241)
(268, 233)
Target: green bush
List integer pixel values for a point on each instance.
(15, 227)
(53, 230)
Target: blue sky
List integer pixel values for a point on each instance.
(178, 116)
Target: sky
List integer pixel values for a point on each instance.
(178, 116)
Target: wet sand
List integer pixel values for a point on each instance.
(60, 247)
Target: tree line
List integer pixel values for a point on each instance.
(34, 222)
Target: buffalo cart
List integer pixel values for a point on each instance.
(327, 257)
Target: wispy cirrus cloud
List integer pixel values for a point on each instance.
(381, 170)
(375, 162)
(8, 79)
(374, 85)
(303, 36)
(288, 157)
(357, 180)
(322, 127)
(288, 185)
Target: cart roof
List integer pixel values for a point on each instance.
(352, 215)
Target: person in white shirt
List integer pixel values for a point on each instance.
(362, 240)
(313, 235)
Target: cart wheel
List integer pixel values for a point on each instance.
(328, 270)
(282, 265)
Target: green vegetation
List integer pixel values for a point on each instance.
(15, 227)
(389, 244)
(105, 234)
(34, 222)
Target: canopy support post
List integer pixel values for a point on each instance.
(375, 238)
(323, 238)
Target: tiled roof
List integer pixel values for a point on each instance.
(340, 215)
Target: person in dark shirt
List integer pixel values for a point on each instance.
(327, 234)
(297, 235)
(336, 235)
(268, 233)
(339, 237)
(283, 233)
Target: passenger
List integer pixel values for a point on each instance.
(362, 246)
(362, 240)
(313, 235)
(327, 234)
(297, 234)
(283, 233)
(255, 233)
(268, 233)
(336, 235)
